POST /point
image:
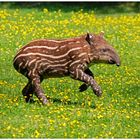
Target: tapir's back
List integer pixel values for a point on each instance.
(51, 56)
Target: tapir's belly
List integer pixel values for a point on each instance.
(55, 72)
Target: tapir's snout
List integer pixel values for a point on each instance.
(118, 62)
(115, 59)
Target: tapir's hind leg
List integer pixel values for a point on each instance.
(36, 81)
(28, 92)
(84, 86)
(33, 86)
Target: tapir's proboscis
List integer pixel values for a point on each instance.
(45, 58)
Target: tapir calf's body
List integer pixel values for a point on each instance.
(45, 58)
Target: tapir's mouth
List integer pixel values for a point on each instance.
(113, 62)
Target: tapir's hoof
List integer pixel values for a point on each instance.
(44, 101)
(83, 87)
(29, 100)
(98, 91)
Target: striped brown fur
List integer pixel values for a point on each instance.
(45, 58)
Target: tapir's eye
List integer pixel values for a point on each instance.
(104, 50)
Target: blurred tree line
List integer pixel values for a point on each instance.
(98, 7)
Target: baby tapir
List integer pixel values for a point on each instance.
(46, 58)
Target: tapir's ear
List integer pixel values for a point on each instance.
(102, 34)
(89, 38)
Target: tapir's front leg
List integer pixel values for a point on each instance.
(79, 74)
(84, 86)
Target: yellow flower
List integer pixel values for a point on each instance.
(78, 113)
(45, 10)
(37, 134)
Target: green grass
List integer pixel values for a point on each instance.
(71, 114)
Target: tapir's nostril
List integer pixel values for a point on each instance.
(118, 64)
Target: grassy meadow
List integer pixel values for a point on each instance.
(71, 114)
